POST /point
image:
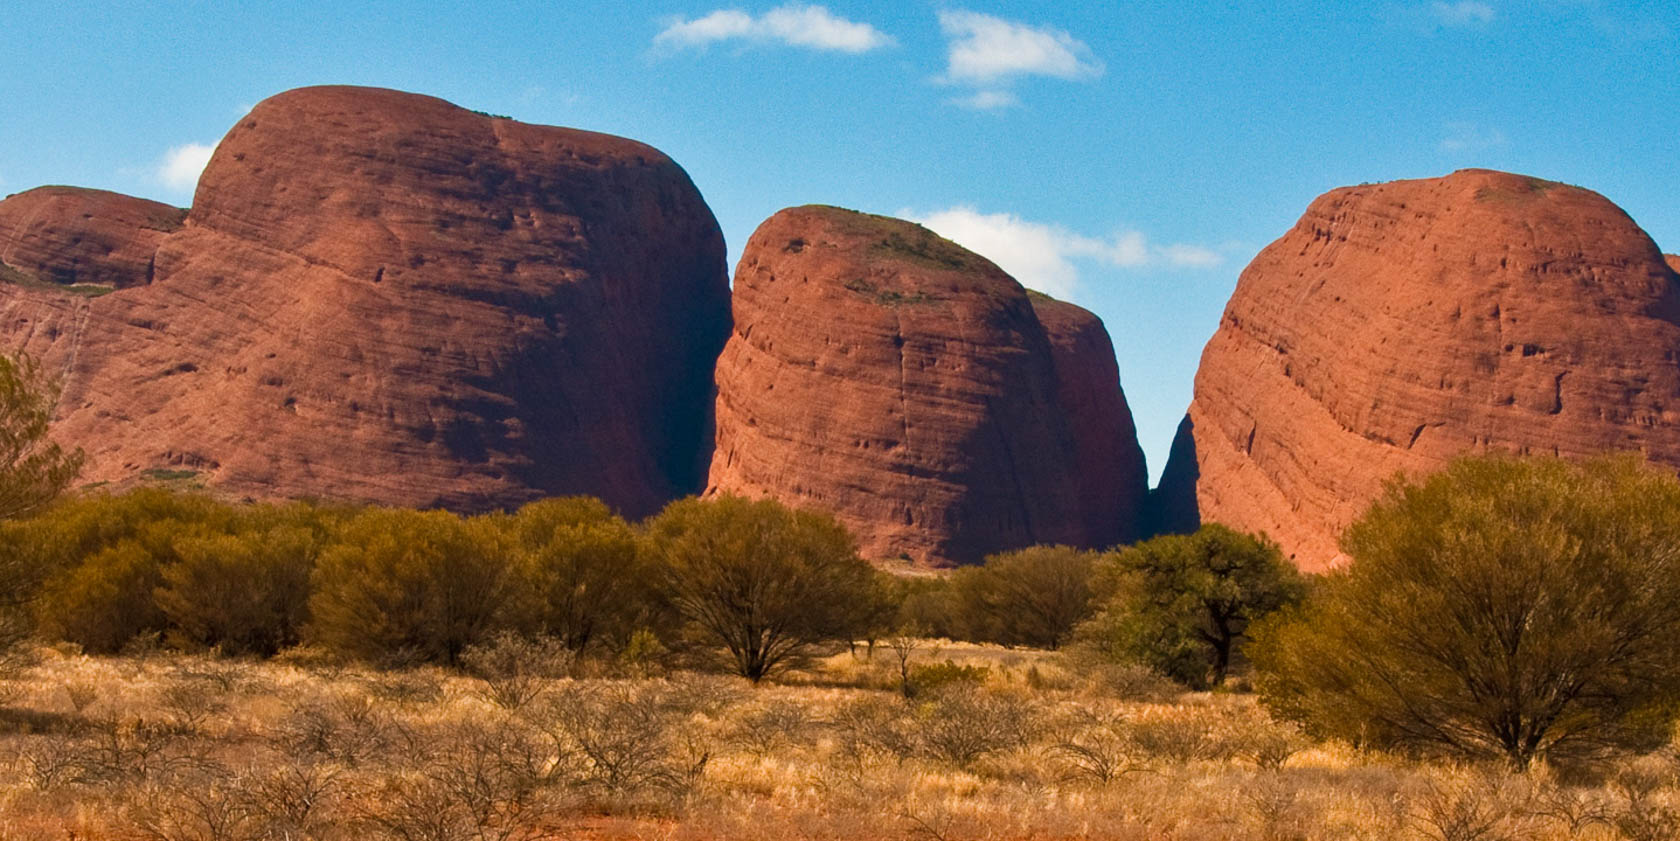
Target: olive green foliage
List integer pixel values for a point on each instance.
(583, 574)
(1031, 597)
(246, 591)
(100, 558)
(927, 607)
(407, 586)
(764, 581)
(105, 601)
(1183, 604)
(1503, 607)
(33, 469)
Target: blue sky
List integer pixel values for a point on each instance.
(1128, 156)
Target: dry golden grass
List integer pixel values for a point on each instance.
(176, 748)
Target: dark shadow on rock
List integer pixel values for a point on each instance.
(1172, 507)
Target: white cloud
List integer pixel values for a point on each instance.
(182, 165)
(1191, 256)
(794, 24)
(1469, 137)
(1047, 257)
(987, 100)
(1462, 13)
(984, 50)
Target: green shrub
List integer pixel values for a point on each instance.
(1502, 607)
(246, 593)
(933, 677)
(104, 602)
(1183, 604)
(762, 580)
(1031, 597)
(398, 585)
(583, 576)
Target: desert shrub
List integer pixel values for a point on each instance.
(1177, 735)
(481, 780)
(293, 799)
(962, 724)
(152, 562)
(1645, 808)
(933, 677)
(764, 581)
(246, 593)
(583, 575)
(517, 669)
(928, 605)
(768, 728)
(1471, 804)
(104, 602)
(350, 728)
(1032, 597)
(1183, 604)
(1125, 681)
(1502, 607)
(875, 726)
(400, 586)
(624, 738)
(1095, 745)
(643, 655)
(212, 808)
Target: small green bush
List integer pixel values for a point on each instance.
(933, 677)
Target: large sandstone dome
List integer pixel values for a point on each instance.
(380, 296)
(1399, 325)
(72, 236)
(920, 394)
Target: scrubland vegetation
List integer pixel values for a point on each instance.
(1496, 662)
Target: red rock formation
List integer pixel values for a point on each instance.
(1398, 325)
(1112, 480)
(1673, 261)
(906, 385)
(380, 296)
(69, 235)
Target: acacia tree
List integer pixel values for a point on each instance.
(34, 471)
(765, 581)
(1183, 604)
(1516, 608)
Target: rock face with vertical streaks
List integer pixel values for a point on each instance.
(919, 393)
(379, 296)
(1399, 325)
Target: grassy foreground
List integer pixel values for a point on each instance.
(184, 748)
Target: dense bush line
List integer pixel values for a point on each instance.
(760, 583)
(1514, 608)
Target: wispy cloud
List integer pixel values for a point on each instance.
(1462, 12)
(791, 24)
(989, 53)
(181, 166)
(986, 100)
(1470, 137)
(1047, 257)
